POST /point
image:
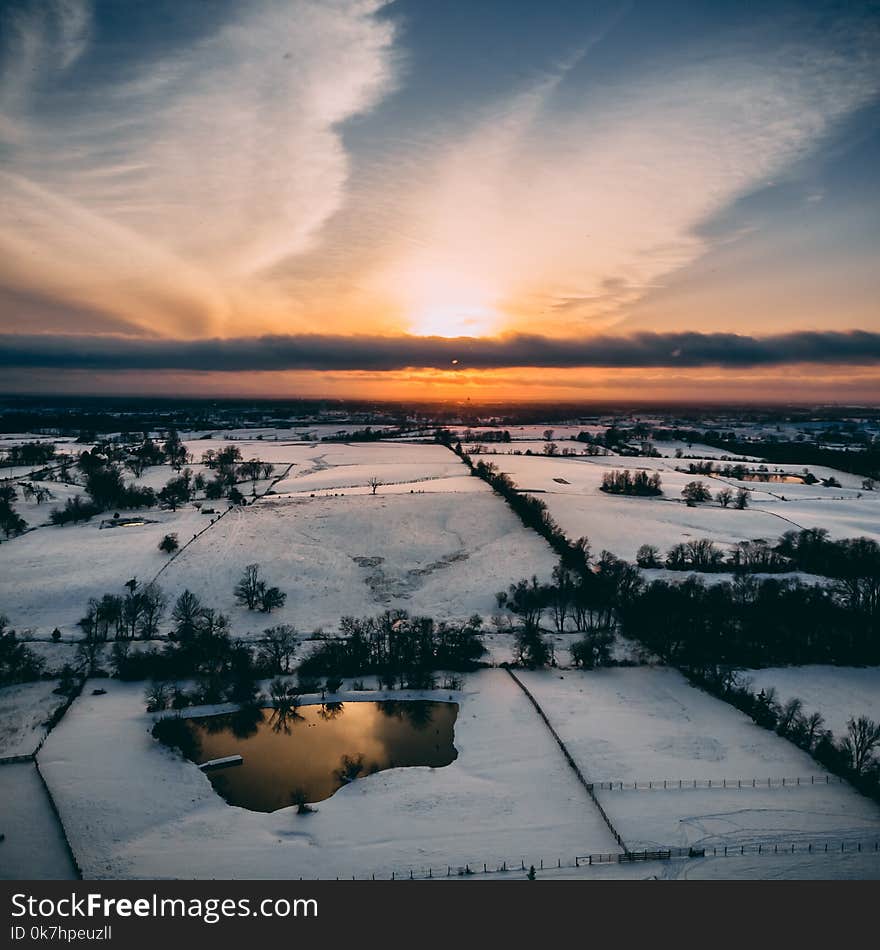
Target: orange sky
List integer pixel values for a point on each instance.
(216, 180)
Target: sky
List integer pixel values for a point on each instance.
(441, 199)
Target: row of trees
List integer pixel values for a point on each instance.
(137, 613)
(852, 756)
(750, 622)
(397, 646)
(29, 453)
(853, 562)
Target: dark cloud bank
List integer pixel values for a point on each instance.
(372, 353)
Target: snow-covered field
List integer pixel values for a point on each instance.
(436, 541)
(570, 487)
(648, 724)
(33, 846)
(47, 576)
(24, 710)
(134, 809)
(440, 554)
(837, 692)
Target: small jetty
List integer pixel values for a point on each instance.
(222, 763)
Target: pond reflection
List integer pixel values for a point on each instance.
(307, 753)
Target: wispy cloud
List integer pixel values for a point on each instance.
(208, 190)
(164, 197)
(585, 194)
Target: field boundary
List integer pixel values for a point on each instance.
(803, 781)
(588, 786)
(216, 520)
(523, 865)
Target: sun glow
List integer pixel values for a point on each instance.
(442, 301)
(451, 321)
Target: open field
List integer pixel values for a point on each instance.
(24, 710)
(444, 555)
(509, 796)
(133, 809)
(648, 725)
(837, 692)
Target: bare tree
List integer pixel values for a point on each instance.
(863, 736)
(278, 648)
(724, 497)
(694, 493)
(249, 587)
(374, 482)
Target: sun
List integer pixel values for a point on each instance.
(452, 320)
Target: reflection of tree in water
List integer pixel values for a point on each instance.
(330, 711)
(216, 724)
(246, 722)
(418, 713)
(350, 767)
(282, 719)
(179, 734)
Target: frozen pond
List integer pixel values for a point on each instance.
(309, 753)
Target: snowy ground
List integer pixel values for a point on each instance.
(648, 724)
(444, 555)
(134, 809)
(47, 576)
(33, 846)
(837, 692)
(570, 489)
(24, 710)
